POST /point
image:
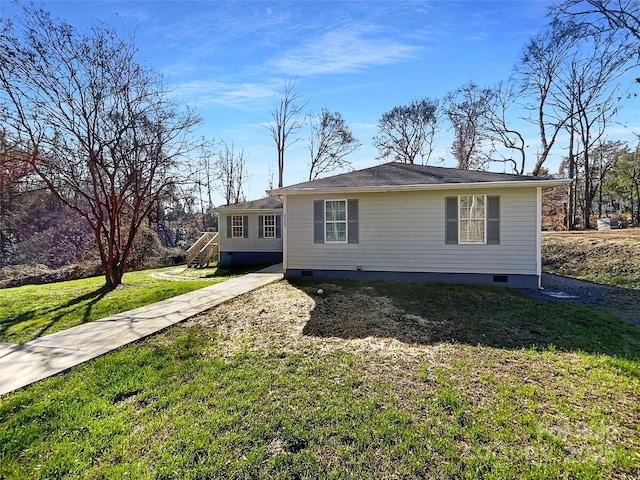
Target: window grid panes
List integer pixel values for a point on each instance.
(269, 226)
(236, 226)
(472, 218)
(336, 220)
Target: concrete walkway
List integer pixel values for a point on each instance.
(43, 357)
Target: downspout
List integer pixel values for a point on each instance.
(285, 234)
(539, 236)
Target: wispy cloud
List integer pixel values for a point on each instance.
(209, 92)
(343, 51)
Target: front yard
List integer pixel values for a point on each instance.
(32, 311)
(367, 380)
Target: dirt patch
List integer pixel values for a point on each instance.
(283, 317)
(600, 268)
(609, 257)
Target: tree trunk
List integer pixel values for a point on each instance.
(113, 275)
(540, 161)
(600, 200)
(280, 167)
(588, 200)
(636, 219)
(571, 217)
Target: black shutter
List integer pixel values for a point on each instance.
(352, 218)
(318, 221)
(229, 228)
(245, 226)
(260, 226)
(451, 215)
(278, 226)
(493, 220)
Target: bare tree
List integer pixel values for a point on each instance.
(99, 128)
(603, 15)
(270, 177)
(330, 142)
(505, 140)
(287, 121)
(204, 182)
(406, 133)
(538, 70)
(590, 96)
(14, 174)
(232, 172)
(467, 108)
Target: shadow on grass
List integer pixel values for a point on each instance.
(236, 271)
(495, 317)
(81, 305)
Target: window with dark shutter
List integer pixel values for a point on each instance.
(336, 221)
(267, 226)
(318, 221)
(468, 216)
(451, 216)
(493, 220)
(245, 226)
(352, 217)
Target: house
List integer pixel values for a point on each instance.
(415, 223)
(250, 232)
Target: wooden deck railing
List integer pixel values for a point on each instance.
(204, 251)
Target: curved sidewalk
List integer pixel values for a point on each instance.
(22, 364)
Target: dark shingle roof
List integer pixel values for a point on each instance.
(267, 203)
(404, 175)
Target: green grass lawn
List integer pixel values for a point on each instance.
(368, 380)
(32, 311)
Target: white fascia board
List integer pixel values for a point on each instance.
(239, 211)
(408, 188)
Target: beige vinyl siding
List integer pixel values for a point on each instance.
(405, 231)
(251, 244)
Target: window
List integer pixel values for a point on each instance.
(269, 226)
(335, 221)
(237, 226)
(471, 218)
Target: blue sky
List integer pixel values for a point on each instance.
(360, 58)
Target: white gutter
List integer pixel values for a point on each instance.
(408, 188)
(246, 210)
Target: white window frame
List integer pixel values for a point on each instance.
(271, 226)
(235, 227)
(462, 220)
(345, 221)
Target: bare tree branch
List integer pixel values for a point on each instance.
(231, 172)
(467, 108)
(330, 142)
(99, 128)
(287, 121)
(406, 132)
